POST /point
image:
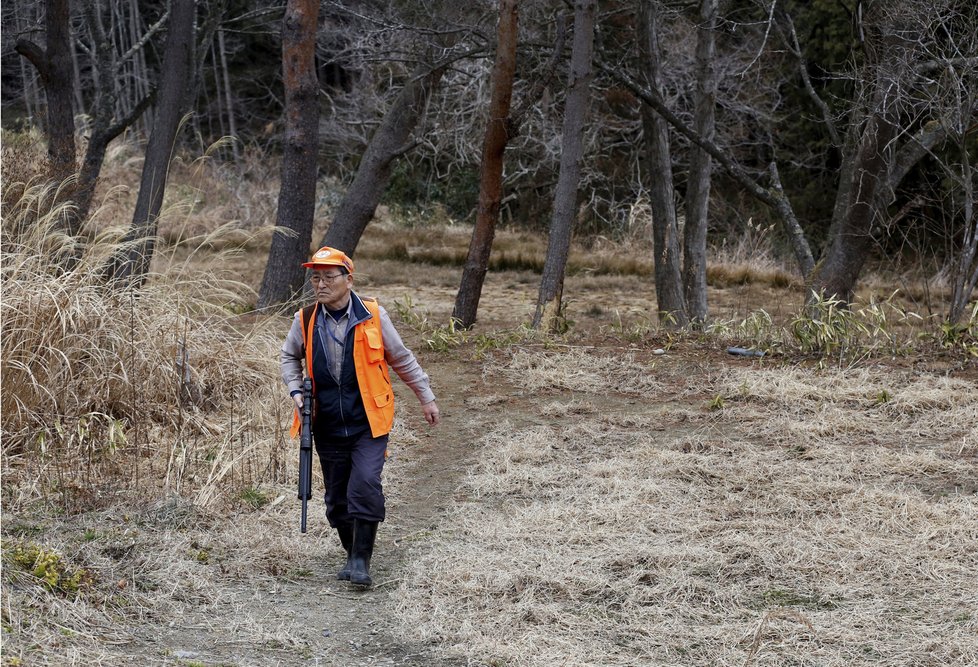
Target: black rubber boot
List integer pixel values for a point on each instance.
(364, 534)
(345, 531)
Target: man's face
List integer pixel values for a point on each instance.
(332, 287)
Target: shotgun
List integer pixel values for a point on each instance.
(305, 450)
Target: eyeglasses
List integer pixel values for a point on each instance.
(328, 278)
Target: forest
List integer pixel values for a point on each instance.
(695, 282)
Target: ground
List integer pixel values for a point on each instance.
(328, 622)
(621, 495)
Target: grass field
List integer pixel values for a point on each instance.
(621, 494)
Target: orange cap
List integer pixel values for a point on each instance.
(327, 256)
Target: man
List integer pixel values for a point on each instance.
(347, 344)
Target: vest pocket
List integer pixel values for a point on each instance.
(383, 399)
(375, 344)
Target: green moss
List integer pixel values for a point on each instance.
(49, 568)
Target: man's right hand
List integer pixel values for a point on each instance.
(298, 401)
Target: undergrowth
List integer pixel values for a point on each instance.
(109, 389)
(824, 330)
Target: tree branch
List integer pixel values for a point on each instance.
(912, 152)
(935, 65)
(152, 30)
(775, 197)
(517, 116)
(406, 148)
(35, 55)
(654, 101)
(795, 47)
(114, 131)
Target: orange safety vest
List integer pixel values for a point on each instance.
(373, 376)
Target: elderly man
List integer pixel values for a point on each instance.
(347, 343)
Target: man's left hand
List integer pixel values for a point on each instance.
(431, 413)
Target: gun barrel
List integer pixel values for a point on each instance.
(305, 451)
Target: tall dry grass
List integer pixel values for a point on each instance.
(110, 390)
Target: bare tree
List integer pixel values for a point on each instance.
(548, 313)
(700, 165)
(297, 197)
(106, 123)
(964, 276)
(390, 141)
(898, 48)
(658, 158)
(228, 95)
(175, 81)
(958, 92)
(836, 274)
(491, 173)
(53, 64)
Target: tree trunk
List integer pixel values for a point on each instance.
(55, 69)
(76, 79)
(228, 97)
(773, 197)
(491, 176)
(548, 311)
(836, 275)
(700, 165)
(877, 167)
(658, 159)
(390, 141)
(965, 276)
(173, 99)
(284, 274)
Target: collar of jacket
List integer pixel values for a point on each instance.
(355, 309)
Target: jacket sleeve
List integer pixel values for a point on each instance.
(403, 361)
(293, 356)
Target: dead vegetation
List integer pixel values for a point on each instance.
(808, 521)
(814, 507)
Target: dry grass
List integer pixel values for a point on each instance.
(110, 389)
(144, 444)
(817, 518)
(211, 571)
(578, 369)
(805, 523)
(148, 566)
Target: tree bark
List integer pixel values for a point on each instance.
(284, 274)
(390, 141)
(491, 176)
(76, 79)
(658, 160)
(54, 66)
(548, 314)
(173, 99)
(700, 165)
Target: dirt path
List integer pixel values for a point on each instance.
(325, 622)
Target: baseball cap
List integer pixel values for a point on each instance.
(327, 256)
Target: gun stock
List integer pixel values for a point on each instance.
(305, 451)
